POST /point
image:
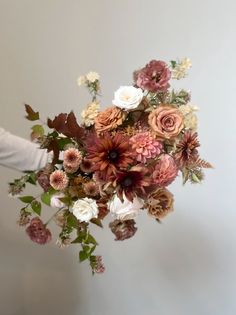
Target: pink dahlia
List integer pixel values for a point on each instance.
(38, 232)
(165, 171)
(72, 158)
(145, 146)
(59, 180)
(154, 77)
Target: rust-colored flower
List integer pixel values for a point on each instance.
(160, 203)
(91, 189)
(132, 183)
(166, 121)
(123, 229)
(86, 166)
(187, 148)
(109, 119)
(38, 232)
(165, 171)
(102, 207)
(154, 77)
(109, 153)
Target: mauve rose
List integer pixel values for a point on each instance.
(166, 121)
(165, 171)
(154, 77)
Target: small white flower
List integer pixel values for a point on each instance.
(126, 210)
(90, 113)
(92, 76)
(190, 118)
(85, 209)
(128, 97)
(81, 80)
(181, 68)
(56, 202)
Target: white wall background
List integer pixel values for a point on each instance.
(184, 266)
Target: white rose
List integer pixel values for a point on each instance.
(126, 210)
(85, 209)
(56, 202)
(128, 97)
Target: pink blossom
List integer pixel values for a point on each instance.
(72, 158)
(38, 232)
(165, 171)
(59, 180)
(145, 146)
(154, 77)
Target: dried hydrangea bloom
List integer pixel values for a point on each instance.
(89, 114)
(98, 266)
(59, 180)
(38, 232)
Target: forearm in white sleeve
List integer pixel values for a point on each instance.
(21, 154)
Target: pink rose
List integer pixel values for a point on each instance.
(154, 77)
(166, 121)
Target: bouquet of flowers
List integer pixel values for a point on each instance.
(116, 162)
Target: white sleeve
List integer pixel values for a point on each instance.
(20, 154)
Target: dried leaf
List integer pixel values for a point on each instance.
(31, 114)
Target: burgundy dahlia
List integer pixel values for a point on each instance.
(154, 77)
(38, 232)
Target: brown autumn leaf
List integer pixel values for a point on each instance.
(67, 125)
(31, 114)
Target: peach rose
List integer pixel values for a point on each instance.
(109, 119)
(166, 121)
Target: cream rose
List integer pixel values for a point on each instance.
(85, 209)
(126, 210)
(128, 97)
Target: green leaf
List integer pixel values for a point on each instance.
(173, 63)
(80, 238)
(195, 179)
(83, 255)
(90, 240)
(37, 131)
(46, 198)
(31, 114)
(62, 142)
(36, 206)
(72, 221)
(92, 249)
(26, 199)
(97, 222)
(86, 248)
(32, 178)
